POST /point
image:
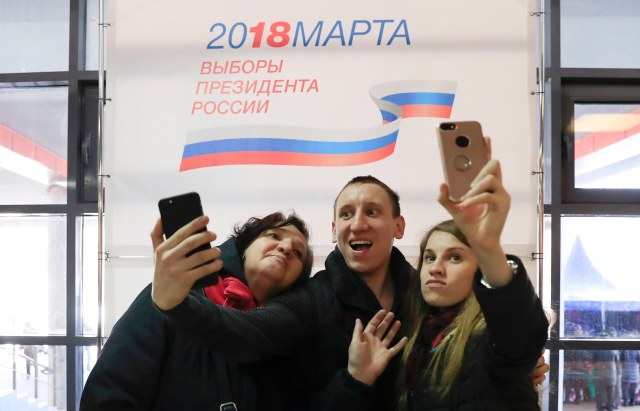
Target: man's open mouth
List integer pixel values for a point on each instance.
(360, 245)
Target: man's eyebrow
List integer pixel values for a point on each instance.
(374, 203)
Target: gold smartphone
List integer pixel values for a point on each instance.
(463, 153)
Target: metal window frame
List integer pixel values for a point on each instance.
(563, 86)
(76, 79)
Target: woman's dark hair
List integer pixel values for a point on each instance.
(247, 233)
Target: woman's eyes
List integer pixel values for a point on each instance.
(277, 237)
(453, 257)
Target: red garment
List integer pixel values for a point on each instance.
(231, 292)
(431, 334)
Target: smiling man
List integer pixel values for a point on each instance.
(366, 222)
(364, 273)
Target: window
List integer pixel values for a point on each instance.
(591, 197)
(48, 207)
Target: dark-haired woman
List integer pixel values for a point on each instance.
(145, 365)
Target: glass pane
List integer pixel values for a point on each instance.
(88, 357)
(547, 141)
(33, 145)
(546, 262)
(92, 33)
(87, 257)
(600, 34)
(604, 377)
(607, 145)
(599, 293)
(35, 36)
(578, 385)
(33, 377)
(33, 258)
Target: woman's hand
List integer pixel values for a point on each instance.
(481, 216)
(175, 273)
(369, 351)
(482, 213)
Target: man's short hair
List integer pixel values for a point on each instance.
(394, 198)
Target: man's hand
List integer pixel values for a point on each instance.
(369, 351)
(538, 373)
(175, 273)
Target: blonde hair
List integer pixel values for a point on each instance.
(444, 365)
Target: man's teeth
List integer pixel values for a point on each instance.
(359, 244)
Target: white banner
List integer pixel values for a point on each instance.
(263, 106)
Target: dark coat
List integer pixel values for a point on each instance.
(145, 365)
(312, 326)
(495, 373)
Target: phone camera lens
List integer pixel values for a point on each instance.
(447, 126)
(462, 141)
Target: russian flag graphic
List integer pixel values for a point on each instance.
(300, 146)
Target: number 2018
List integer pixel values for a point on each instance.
(278, 35)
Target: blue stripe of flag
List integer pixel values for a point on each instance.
(401, 99)
(287, 145)
(387, 116)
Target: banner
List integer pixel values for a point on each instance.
(263, 106)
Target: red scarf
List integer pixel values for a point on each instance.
(231, 292)
(431, 333)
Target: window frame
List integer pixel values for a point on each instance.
(78, 80)
(592, 90)
(563, 88)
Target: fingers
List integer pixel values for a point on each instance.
(157, 234)
(486, 183)
(379, 324)
(381, 327)
(487, 188)
(204, 262)
(538, 380)
(187, 231)
(184, 241)
(487, 142)
(398, 347)
(375, 322)
(538, 375)
(177, 266)
(445, 201)
(492, 168)
(388, 338)
(357, 331)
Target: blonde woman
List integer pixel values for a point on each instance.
(479, 326)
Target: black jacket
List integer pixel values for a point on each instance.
(145, 365)
(312, 326)
(495, 374)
